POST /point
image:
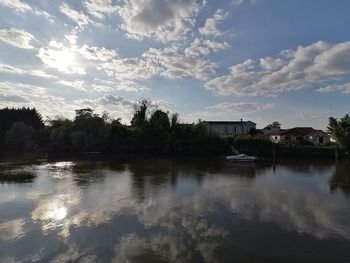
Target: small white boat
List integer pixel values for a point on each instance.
(240, 158)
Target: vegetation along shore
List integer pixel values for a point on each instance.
(151, 131)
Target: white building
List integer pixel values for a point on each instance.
(230, 128)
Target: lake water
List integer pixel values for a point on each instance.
(127, 209)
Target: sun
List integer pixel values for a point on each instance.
(65, 60)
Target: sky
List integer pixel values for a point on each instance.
(260, 60)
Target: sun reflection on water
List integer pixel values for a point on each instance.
(58, 213)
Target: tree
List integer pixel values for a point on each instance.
(28, 116)
(274, 125)
(174, 120)
(160, 120)
(339, 130)
(139, 120)
(19, 137)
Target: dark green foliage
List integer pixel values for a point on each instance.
(339, 130)
(141, 109)
(19, 137)
(28, 116)
(275, 124)
(151, 131)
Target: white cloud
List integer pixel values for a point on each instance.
(62, 59)
(173, 63)
(16, 37)
(12, 229)
(34, 96)
(22, 6)
(241, 106)
(77, 84)
(33, 72)
(239, 2)
(117, 107)
(121, 85)
(343, 88)
(296, 70)
(205, 46)
(162, 19)
(13, 98)
(271, 64)
(16, 4)
(210, 26)
(99, 8)
(97, 53)
(20, 89)
(78, 17)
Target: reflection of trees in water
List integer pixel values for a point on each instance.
(16, 176)
(306, 167)
(155, 172)
(161, 172)
(341, 178)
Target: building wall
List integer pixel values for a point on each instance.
(230, 129)
(314, 138)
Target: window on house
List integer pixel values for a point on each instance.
(299, 138)
(235, 129)
(226, 130)
(275, 137)
(320, 139)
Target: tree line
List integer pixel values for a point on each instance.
(151, 130)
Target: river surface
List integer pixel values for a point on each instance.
(127, 209)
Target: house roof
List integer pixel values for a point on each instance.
(228, 122)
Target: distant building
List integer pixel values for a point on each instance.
(300, 135)
(230, 128)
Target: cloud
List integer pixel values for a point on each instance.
(210, 26)
(22, 6)
(12, 229)
(16, 4)
(117, 107)
(20, 94)
(33, 72)
(78, 17)
(271, 64)
(13, 98)
(21, 89)
(173, 63)
(237, 2)
(343, 88)
(16, 37)
(99, 8)
(205, 46)
(121, 85)
(308, 65)
(129, 68)
(97, 53)
(61, 58)
(241, 106)
(77, 84)
(162, 19)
